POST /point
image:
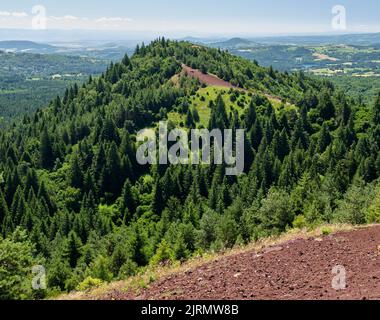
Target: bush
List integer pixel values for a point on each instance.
(163, 254)
(326, 231)
(373, 212)
(276, 212)
(353, 207)
(128, 269)
(100, 269)
(88, 284)
(300, 222)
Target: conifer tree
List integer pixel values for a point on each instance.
(46, 151)
(76, 174)
(127, 201)
(376, 111)
(324, 139)
(72, 250)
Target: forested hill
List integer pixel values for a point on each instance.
(73, 198)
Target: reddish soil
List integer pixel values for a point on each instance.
(207, 79)
(212, 80)
(298, 269)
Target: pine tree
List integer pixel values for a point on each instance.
(113, 178)
(31, 182)
(280, 144)
(324, 138)
(3, 209)
(219, 119)
(126, 61)
(251, 115)
(376, 112)
(76, 174)
(128, 203)
(73, 249)
(109, 132)
(46, 151)
(189, 119)
(157, 203)
(326, 106)
(256, 134)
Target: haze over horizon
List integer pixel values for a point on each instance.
(200, 18)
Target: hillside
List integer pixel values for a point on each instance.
(298, 267)
(74, 199)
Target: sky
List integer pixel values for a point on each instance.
(195, 17)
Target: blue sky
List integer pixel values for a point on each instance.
(245, 17)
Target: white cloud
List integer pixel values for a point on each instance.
(113, 19)
(19, 14)
(74, 22)
(70, 18)
(67, 18)
(13, 14)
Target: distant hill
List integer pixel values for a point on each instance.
(30, 46)
(108, 51)
(234, 43)
(368, 39)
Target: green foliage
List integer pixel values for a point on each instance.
(16, 261)
(164, 254)
(100, 269)
(353, 207)
(276, 212)
(326, 231)
(88, 284)
(300, 222)
(373, 212)
(69, 174)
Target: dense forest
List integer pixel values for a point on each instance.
(74, 199)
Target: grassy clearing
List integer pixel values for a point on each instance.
(233, 99)
(201, 100)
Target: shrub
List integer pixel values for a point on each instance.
(276, 211)
(128, 269)
(373, 212)
(163, 254)
(326, 231)
(353, 207)
(300, 222)
(88, 284)
(100, 269)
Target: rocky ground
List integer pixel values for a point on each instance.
(297, 269)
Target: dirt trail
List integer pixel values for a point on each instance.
(298, 269)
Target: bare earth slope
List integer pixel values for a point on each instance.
(212, 80)
(207, 79)
(298, 269)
